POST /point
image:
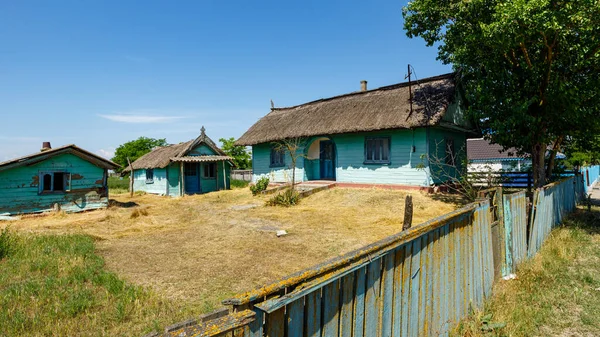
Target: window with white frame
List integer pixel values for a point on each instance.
(377, 150)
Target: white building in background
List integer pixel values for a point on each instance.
(486, 157)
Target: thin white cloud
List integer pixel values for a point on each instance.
(108, 153)
(140, 119)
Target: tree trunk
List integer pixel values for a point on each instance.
(552, 158)
(537, 163)
(293, 176)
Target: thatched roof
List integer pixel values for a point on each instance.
(71, 148)
(201, 159)
(162, 156)
(378, 109)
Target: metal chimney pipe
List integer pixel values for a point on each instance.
(46, 146)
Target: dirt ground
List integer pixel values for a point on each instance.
(199, 250)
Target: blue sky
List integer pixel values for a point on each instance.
(100, 73)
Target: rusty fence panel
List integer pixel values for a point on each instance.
(515, 225)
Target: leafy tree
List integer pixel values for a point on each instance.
(241, 157)
(135, 149)
(582, 152)
(528, 68)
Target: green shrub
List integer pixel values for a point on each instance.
(288, 198)
(260, 185)
(239, 183)
(6, 243)
(118, 185)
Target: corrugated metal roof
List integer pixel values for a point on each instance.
(479, 149)
(200, 159)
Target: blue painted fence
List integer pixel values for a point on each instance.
(419, 282)
(550, 205)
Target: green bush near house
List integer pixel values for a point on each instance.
(57, 285)
(261, 185)
(287, 198)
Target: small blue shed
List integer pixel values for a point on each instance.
(196, 166)
(66, 177)
(407, 134)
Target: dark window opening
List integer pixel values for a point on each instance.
(377, 150)
(47, 186)
(210, 170)
(149, 176)
(191, 169)
(277, 157)
(54, 182)
(59, 182)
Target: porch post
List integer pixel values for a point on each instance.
(217, 175)
(224, 177)
(182, 179)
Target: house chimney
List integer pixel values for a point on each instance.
(363, 85)
(45, 146)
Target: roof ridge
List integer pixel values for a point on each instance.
(387, 87)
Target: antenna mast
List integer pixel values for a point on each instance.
(410, 97)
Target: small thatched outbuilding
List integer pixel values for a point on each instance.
(387, 135)
(196, 166)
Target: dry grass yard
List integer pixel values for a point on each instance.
(198, 250)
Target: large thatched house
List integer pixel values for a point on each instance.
(404, 134)
(196, 166)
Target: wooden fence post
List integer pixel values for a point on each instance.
(504, 243)
(408, 213)
(130, 177)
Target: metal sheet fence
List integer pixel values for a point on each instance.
(515, 229)
(590, 176)
(245, 175)
(550, 204)
(416, 288)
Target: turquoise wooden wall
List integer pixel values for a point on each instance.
(408, 165)
(440, 172)
(173, 172)
(403, 169)
(201, 150)
(19, 186)
(261, 160)
(158, 186)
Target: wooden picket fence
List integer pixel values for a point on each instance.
(419, 282)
